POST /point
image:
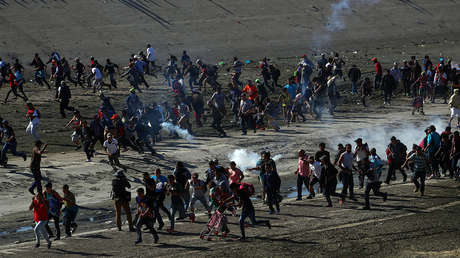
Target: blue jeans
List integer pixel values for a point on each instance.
(353, 87)
(249, 212)
(12, 147)
(178, 207)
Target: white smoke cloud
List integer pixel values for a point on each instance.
(183, 133)
(245, 159)
(379, 137)
(336, 19)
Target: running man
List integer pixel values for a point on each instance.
(243, 196)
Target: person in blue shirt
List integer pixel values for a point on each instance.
(140, 69)
(162, 183)
(291, 88)
(433, 143)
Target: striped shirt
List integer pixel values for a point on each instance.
(420, 162)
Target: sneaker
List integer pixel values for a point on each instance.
(415, 189)
(31, 191)
(57, 238)
(25, 157)
(138, 241)
(160, 227)
(366, 208)
(49, 245)
(170, 230)
(37, 245)
(329, 205)
(269, 226)
(74, 229)
(385, 197)
(299, 199)
(155, 239)
(132, 230)
(310, 197)
(242, 238)
(271, 212)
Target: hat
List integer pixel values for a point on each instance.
(374, 59)
(119, 174)
(393, 138)
(132, 90)
(441, 59)
(359, 140)
(304, 55)
(4, 121)
(109, 135)
(257, 80)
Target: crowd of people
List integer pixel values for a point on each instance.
(253, 105)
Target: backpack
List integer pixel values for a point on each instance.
(248, 188)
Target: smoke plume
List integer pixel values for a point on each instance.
(245, 159)
(379, 137)
(183, 133)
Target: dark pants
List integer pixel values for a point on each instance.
(37, 180)
(68, 76)
(302, 180)
(387, 96)
(87, 149)
(69, 215)
(421, 185)
(161, 205)
(56, 225)
(217, 120)
(348, 184)
(78, 79)
(375, 187)
(125, 205)
(377, 81)
(406, 85)
(14, 90)
(12, 147)
(394, 165)
(148, 221)
(329, 191)
(251, 214)
(247, 122)
(363, 167)
(272, 199)
(64, 105)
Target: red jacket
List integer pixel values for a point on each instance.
(378, 68)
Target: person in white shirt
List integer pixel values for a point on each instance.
(150, 58)
(97, 82)
(315, 168)
(113, 151)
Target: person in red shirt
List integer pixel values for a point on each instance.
(13, 87)
(40, 207)
(251, 90)
(378, 73)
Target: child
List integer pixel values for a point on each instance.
(420, 168)
(198, 194)
(418, 105)
(145, 213)
(376, 163)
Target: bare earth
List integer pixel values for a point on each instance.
(405, 225)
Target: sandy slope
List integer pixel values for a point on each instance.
(214, 28)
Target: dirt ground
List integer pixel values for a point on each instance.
(216, 30)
